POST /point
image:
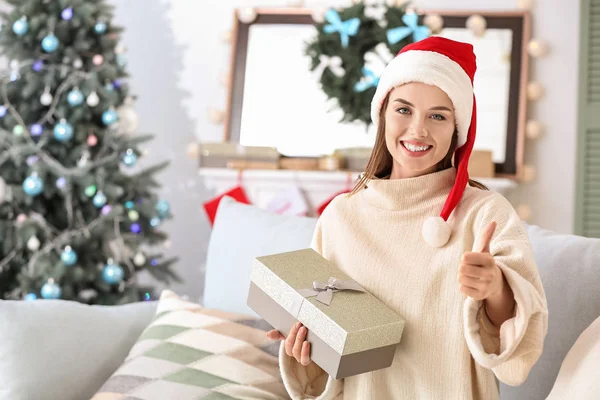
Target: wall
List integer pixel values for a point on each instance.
(177, 58)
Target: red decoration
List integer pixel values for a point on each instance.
(211, 206)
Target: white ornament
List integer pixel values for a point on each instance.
(2, 190)
(216, 116)
(33, 243)
(139, 259)
(84, 159)
(534, 129)
(78, 63)
(128, 119)
(247, 15)
(524, 212)
(193, 151)
(525, 4)
(434, 22)
(436, 231)
(167, 244)
(537, 48)
(376, 11)
(535, 91)
(318, 15)
(333, 63)
(120, 49)
(46, 99)
(477, 25)
(93, 99)
(14, 64)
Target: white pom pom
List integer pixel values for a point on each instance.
(436, 231)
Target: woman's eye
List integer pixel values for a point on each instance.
(403, 110)
(438, 117)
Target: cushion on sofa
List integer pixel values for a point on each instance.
(191, 352)
(63, 350)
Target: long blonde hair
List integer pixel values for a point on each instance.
(381, 161)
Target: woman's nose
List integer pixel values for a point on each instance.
(418, 128)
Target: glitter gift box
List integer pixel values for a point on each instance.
(350, 330)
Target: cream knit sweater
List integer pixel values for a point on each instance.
(449, 349)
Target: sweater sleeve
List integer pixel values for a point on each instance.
(512, 350)
(311, 381)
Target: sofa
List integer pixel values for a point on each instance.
(55, 349)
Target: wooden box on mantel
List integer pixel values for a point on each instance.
(234, 155)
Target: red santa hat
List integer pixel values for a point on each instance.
(451, 66)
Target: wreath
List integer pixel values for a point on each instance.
(352, 47)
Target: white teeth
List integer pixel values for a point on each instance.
(411, 147)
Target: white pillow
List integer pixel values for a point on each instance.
(63, 350)
(240, 233)
(578, 376)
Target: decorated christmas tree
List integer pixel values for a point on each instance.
(78, 220)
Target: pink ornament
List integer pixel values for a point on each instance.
(21, 218)
(98, 59)
(92, 140)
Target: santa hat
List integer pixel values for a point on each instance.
(451, 66)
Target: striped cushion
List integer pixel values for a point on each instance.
(190, 352)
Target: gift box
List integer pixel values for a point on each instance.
(351, 332)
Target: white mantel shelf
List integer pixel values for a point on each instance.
(318, 186)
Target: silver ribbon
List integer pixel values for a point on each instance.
(324, 291)
(333, 63)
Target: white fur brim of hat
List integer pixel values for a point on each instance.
(433, 69)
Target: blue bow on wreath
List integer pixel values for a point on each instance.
(369, 80)
(345, 28)
(395, 35)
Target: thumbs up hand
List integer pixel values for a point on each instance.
(478, 276)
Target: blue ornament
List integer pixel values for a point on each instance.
(30, 297)
(154, 262)
(122, 60)
(51, 290)
(50, 44)
(61, 183)
(112, 273)
(163, 208)
(129, 158)
(109, 87)
(135, 228)
(63, 132)
(67, 14)
(100, 28)
(36, 129)
(75, 98)
(14, 76)
(33, 185)
(147, 296)
(155, 222)
(21, 26)
(109, 117)
(68, 256)
(38, 65)
(99, 199)
(129, 204)
(3, 111)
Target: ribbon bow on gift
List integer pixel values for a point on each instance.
(324, 291)
(345, 28)
(395, 35)
(333, 63)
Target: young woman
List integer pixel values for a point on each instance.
(448, 256)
